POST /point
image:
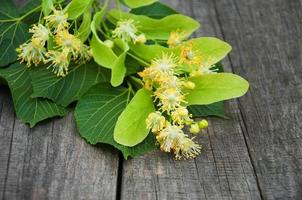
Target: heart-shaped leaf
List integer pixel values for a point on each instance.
(65, 90)
(131, 128)
(13, 32)
(29, 110)
(97, 113)
(213, 88)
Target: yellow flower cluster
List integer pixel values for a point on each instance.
(167, 78)
(162, 78)
(127, 31)
(176, 38)
(66, 47)
(190, 57)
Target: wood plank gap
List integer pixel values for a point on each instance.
(243, 125)
(119, 181)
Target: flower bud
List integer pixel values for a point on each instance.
(109, 44)
(203, 124)
(141, 39)
(194, 128)
(189, 85)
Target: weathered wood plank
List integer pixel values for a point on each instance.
(51, 161)
(7, 120)
(266, 36)
(223, 171)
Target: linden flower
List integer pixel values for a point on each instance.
(188, 149)
(141, 39)
(125, 30)
(156, 122)
(160, 71)
(176, 38)
(170, 99)
(40, 32)
(170, 138)
(171, 82)
(85, 53)
(60, 62)
(32, 52)
(148, 75)
(165, 64)
(58, 20)
(68, 41)
(189, 56)
(181, 116)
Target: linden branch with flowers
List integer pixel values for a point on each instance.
(136, 79)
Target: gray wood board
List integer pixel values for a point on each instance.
(266, 36)
(51, 161)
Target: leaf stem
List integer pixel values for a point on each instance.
(146, 64)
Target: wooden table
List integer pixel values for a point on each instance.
(257, 154)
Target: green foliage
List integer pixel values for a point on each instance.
(102, 54)
(105, 56)
(156, 10)
(148, 52)
(97, 113)
(138, 3)
(85, 30)
(131, 128)
(213, 88)
(29, 110)
(118, 67)
(157, 28)
(65, 90)
(77, 7)
(47, 6)
(215, 109)
(13, 32)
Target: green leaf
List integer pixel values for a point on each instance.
(85, 30)
(132, 65)
(97, 113)
(47, 6)
(138, 3)
(105, 56)
(131, 128)
(13, 33)
(77, 7)
(65, 90)
(29, 110)
(157, 28)
(215, 109)
(213, 88)
(102, 54)
(148, 52)
(156, 10)
(119, 69)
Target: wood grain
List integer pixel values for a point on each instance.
(266, 36)
(223, 171)
(51, 161)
